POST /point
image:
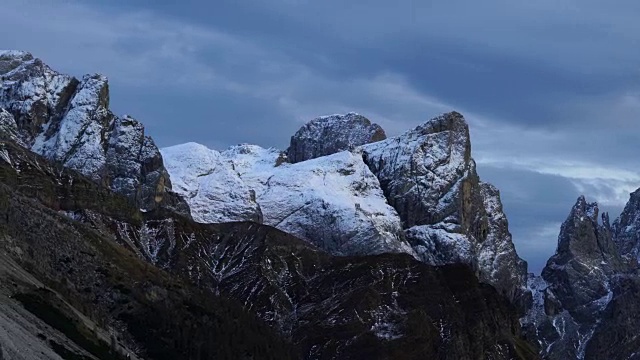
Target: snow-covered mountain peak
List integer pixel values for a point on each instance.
(69, 120)
(334, 201)
(329, 134)
(423, 170)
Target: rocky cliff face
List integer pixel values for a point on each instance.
(423, 170)
(584, 291)
(386, 307)
(497, 257)
(68, 120)
(328, 135)
(429, 177)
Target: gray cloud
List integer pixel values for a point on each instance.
(550, 88)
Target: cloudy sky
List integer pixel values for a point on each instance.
(551, 88)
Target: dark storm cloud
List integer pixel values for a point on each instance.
(550, 88)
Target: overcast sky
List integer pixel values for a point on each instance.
(550, 87)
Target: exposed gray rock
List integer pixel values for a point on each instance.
(428, 175)
(585, 258)
(33, 92)
(328, 135)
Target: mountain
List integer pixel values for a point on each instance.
(626, 230)
(585, 301)
(106, 262)
(343, 246)
(417, 193)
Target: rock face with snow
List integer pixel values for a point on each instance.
(429, 177)
(586, 257)
(578, 288)
(8, 127)
(68, 120)
(214, 191)
(497, 257)
(327, 135)
(424, 171)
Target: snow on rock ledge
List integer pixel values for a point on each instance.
(429, 177)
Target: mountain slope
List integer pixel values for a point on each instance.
(87, 286)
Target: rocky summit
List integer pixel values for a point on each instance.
(327, 135)
(585, 302)
(346, 245)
